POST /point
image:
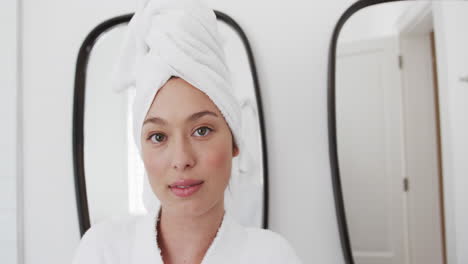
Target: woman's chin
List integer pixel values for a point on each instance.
(192, 207)
(185, 208)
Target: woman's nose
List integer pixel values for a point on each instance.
(183, 157)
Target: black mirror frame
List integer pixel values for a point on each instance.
(332, 141)
(79, 106)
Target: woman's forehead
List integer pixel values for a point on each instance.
(180, 99)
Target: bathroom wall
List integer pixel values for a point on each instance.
(452, 64)
(9, 147)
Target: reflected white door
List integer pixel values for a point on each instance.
(370, 147)
(422, 151)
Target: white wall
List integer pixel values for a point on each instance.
(290, 41)
(9, 148)
(450, 22)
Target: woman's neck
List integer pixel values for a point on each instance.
(185, 239)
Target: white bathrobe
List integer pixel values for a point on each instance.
(132, 240)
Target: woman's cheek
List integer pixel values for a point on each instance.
(155, 171)
(218, 158)
(152, 165)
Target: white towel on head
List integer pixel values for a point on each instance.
(175, 38)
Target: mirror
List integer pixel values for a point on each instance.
(109, 172)
(398, 106)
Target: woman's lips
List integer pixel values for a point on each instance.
(185, 188)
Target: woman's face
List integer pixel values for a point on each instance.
(187, 149)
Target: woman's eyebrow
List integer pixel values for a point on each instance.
(191, 118)
(198, 115)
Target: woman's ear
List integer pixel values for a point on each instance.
(235, 151)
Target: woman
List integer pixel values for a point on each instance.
(186, 128)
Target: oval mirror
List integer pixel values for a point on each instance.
(398, 124)
(108, 170)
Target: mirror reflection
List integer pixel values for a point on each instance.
(113, 169)
(401, 120)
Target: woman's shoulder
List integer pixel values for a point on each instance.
(112, 228)
(105, 238)
(265, 242)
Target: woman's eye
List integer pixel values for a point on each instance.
(157, 138)
(203, 131)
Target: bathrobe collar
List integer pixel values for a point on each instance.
(224, 248)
